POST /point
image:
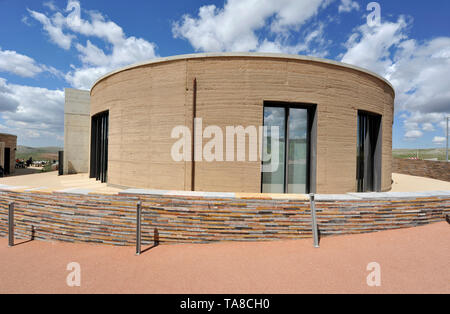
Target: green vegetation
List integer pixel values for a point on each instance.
(51, 153)
(47, 168)
(38, 154)
(433, 153)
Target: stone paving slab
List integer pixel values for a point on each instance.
(178, 193)
(437, 193)
(42, 188)
(399, 195)
(75, 191)
(318, 197)
(12, 188)
(336, 197)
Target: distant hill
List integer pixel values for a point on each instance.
(37, 153)
(51, 153)
(433, 153)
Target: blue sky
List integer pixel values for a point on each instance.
(46, 46)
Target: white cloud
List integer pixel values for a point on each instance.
(439, 140)
(369, 47)
(54, 28)
(413, 135)
(416, 69)
(121, 50)
(18, 64)
(417, 73)
(83, 78)
(426, 122)
(25, 20)
(235, 26)
(13, 62)
(8, 103)
(428, 127)
(97, 27)
(130, 50)
(51, 5)
(32, 112)
(348, 6)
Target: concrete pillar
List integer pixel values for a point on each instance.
(77, 123)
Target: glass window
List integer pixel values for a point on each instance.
(298, 151)
(274, 182)
(293, 126)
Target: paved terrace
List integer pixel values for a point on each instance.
(81, 184)
(412, 261)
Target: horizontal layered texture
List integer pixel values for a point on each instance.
(423, 168)
(111, 219)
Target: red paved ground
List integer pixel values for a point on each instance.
(412, 261)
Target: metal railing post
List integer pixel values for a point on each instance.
(138, 228)
(11, 225)
(314, 221)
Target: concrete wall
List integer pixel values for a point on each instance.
(147, 101)
(111, 220)
(77, 125)
(423, 168)
(9, 141)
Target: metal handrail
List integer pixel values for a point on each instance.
(314, 221)
(11, 225)
(138, 228)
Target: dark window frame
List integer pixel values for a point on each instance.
(311, 142)
(7, 160)
(99, 146)
(372, 131)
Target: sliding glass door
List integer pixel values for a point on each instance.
(292, 174)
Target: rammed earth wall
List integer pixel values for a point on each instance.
(106, 219)
(146, 102)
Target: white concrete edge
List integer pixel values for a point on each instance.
(319, 197)
(76, 191)
(42, 188)
(178, 193)
(12, 188)
(245, 54)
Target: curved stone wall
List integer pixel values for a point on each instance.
(106, 219)
(439, 170)
(147, 101)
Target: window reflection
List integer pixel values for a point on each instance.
(298, 151)
(294, 177)
(274, 182)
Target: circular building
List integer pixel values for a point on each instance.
(247, 122)
(8, 147)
